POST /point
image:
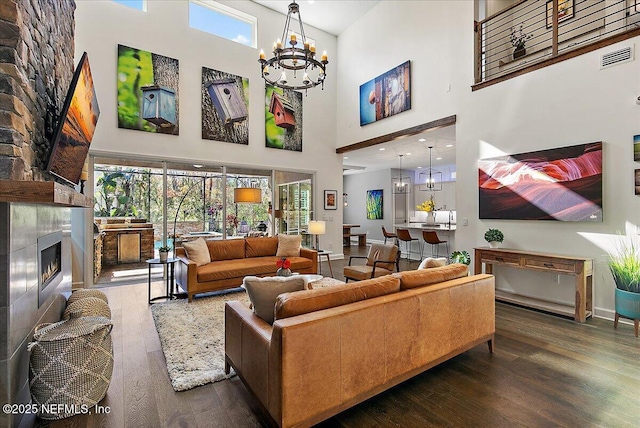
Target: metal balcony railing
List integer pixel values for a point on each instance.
(531, 34)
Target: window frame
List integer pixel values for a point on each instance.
(232, 13)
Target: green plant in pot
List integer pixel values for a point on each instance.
(164, 252)
(493, 237)
(624, 265)
(461, 257)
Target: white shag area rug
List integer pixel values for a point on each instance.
(192, 338)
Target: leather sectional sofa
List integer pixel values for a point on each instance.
(332, 348)
(232, 260)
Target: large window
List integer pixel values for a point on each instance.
(134, 4)
(223, 21)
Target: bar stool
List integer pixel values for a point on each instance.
(405, 236)
(430, 237)
(388, 235)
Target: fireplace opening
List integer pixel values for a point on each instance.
(49, 265)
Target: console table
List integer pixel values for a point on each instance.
(581, 268)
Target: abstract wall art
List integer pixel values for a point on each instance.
(557, 184)
(386, 95)
(374, 204)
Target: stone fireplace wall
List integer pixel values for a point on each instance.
(36, 67)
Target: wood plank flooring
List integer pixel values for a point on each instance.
(546, 371)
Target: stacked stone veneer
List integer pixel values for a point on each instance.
(36, 67)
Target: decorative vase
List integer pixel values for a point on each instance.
(283, 272)
(431, 218)
(163, 256)
(494, 244)
(519, 52)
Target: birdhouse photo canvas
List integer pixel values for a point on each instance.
(283, 118)
(147, 91)
(225, 107)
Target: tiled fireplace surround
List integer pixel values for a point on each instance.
(21, 224)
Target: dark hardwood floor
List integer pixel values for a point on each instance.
(546, 371)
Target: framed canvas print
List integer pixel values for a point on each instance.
(386, 95)
(636, 147)
(562, 184)
(374, 204)
(637, 181)
(565, 11)
(330, 199)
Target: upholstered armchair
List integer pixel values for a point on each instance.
(380, 262)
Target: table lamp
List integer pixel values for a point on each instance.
(317, 227)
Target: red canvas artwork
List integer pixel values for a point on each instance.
(558, 184)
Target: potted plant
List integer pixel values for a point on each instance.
(624, 265)
(518, 38)
(164, 252)
(493, 237)
(461, 257)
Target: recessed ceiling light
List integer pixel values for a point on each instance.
(449, 145)
(419, 167)
(346, 157)
(438, 158)
(198, 166)
(422, 139)
(382, 149)
(408, 153)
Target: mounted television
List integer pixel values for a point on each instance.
(557, 184)
(76, 125)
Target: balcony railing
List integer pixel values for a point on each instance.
(531, 34)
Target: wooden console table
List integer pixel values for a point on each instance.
(581, 268)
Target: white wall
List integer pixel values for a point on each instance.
(164, 29)
(356, 187)
(569, 103)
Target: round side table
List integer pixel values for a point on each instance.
(170, 280)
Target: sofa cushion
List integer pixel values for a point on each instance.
(361, 272)
(431, 262)
(293, 304)
(289, 245)
(226, 249)
(197, 251)
(260, 247)
(239, 268)
(422, 277)
(264, 291)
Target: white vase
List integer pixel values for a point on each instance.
(494, 244)
(163, 256)
(431, 218)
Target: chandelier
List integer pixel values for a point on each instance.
(299, 60)
(401, 184)
(431, 179)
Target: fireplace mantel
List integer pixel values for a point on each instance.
(42, 192)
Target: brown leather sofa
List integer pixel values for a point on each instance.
(232, 260)
(332, 348)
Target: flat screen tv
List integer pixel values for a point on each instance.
(557, 184)
(76, 125)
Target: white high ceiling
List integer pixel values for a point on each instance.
(332, 16)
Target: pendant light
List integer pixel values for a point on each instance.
(401, 184)
(431, 179)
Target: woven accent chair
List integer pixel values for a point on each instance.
(380, 262)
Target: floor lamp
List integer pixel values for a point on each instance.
(317, 227)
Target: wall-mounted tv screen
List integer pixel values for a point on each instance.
(557, 184)
(76, 125)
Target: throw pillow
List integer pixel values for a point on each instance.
(197, 251)
(431, 262)
(289, 245)
(263, 292)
